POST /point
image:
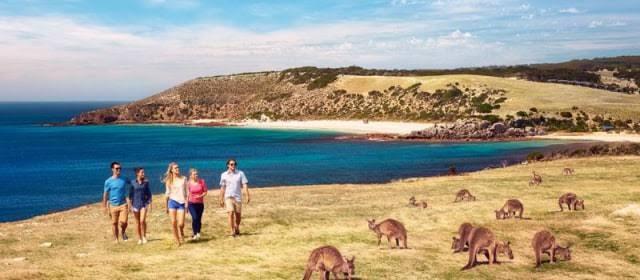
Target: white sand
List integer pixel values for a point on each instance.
(596, 136)
(354, 127)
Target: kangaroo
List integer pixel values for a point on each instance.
(567, 171)
(501, 214)
(510, 208)
(462, 194)
(483, 240)
(535, 179)
(327, 259)
(565, 252)
(459, 243)
(413, 203)
(544, 242)
(392, 229)
(578, 203)
(569, 199)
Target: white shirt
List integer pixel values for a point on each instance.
(177, 191)
(233, 182)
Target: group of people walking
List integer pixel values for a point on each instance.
(183, 194)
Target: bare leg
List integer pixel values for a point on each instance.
(138, 224)
(232, 223)
(180, 221)
(238, 219)
(143, 222)
(174, 225)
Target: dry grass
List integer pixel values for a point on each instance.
(284, 224)
(521, 95)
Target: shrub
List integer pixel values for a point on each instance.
(533, 109)
(535, 156)
(566, 114)
(522, 114)
(484, 108)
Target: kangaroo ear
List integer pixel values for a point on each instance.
(353, 258)
(508, 243)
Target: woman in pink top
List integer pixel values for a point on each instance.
(197, 190)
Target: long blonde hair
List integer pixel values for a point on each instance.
(169, 176)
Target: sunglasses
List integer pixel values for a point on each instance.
(118, 168)
(232, 164)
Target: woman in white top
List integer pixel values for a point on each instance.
(176, 196)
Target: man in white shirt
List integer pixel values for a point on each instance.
(232, 182)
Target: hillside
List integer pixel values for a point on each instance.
(311, 93)
(284, 224)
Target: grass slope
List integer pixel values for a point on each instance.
(521, 95)
(284, 224)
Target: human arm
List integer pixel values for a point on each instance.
(166, 197)
(245, 186)
(148, 195)
(246, 190)
(223, 187)
(130, 196)
(205, 190)
(105, 196)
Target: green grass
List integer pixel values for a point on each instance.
(283, 225)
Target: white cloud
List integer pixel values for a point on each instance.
(595, 23)
(571, 10)
(173, 4)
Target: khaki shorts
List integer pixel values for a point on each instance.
(232, 205)
(119, 213)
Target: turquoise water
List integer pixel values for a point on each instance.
(47, 169)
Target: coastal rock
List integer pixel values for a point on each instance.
(471, 129)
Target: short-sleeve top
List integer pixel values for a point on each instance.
(233, 182)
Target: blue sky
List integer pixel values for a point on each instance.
(124, 50)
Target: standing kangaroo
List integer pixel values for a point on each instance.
(567, 171)
(327, 259)
(483, 240)
(544, 242)
(462, 241)
(510, 208)
(390, 228)
(462, 194)
(535, 179)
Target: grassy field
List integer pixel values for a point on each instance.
(283, 225)
(521, 94)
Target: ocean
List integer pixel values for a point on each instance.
(45, 169)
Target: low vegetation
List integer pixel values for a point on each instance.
(283, 225)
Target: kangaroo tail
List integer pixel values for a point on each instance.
(307, 274)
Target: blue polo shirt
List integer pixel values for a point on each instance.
(117, 189)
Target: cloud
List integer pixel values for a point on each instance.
(173, 4)
(571, 10)
(595, 24)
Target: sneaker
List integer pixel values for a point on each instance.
(198, 236)
(124, 237)
(194, 238)
(140, 242)
(144, 240)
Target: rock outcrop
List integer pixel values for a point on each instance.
(474, 129)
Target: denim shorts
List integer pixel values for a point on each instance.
(174, 205)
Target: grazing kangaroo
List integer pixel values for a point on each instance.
(462, 241)
(462, 194)
(571, 200)
(544, 242)
(501, 214)
(567, 171)
(413, 203)
(327, 259)
(483, 240)
(535, 179)
(510, 208)
(390, 228)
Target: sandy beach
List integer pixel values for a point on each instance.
(595, 136)
(353, 127)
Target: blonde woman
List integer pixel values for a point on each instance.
(176, 197)
(197, 191)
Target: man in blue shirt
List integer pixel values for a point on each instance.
(115, 191)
